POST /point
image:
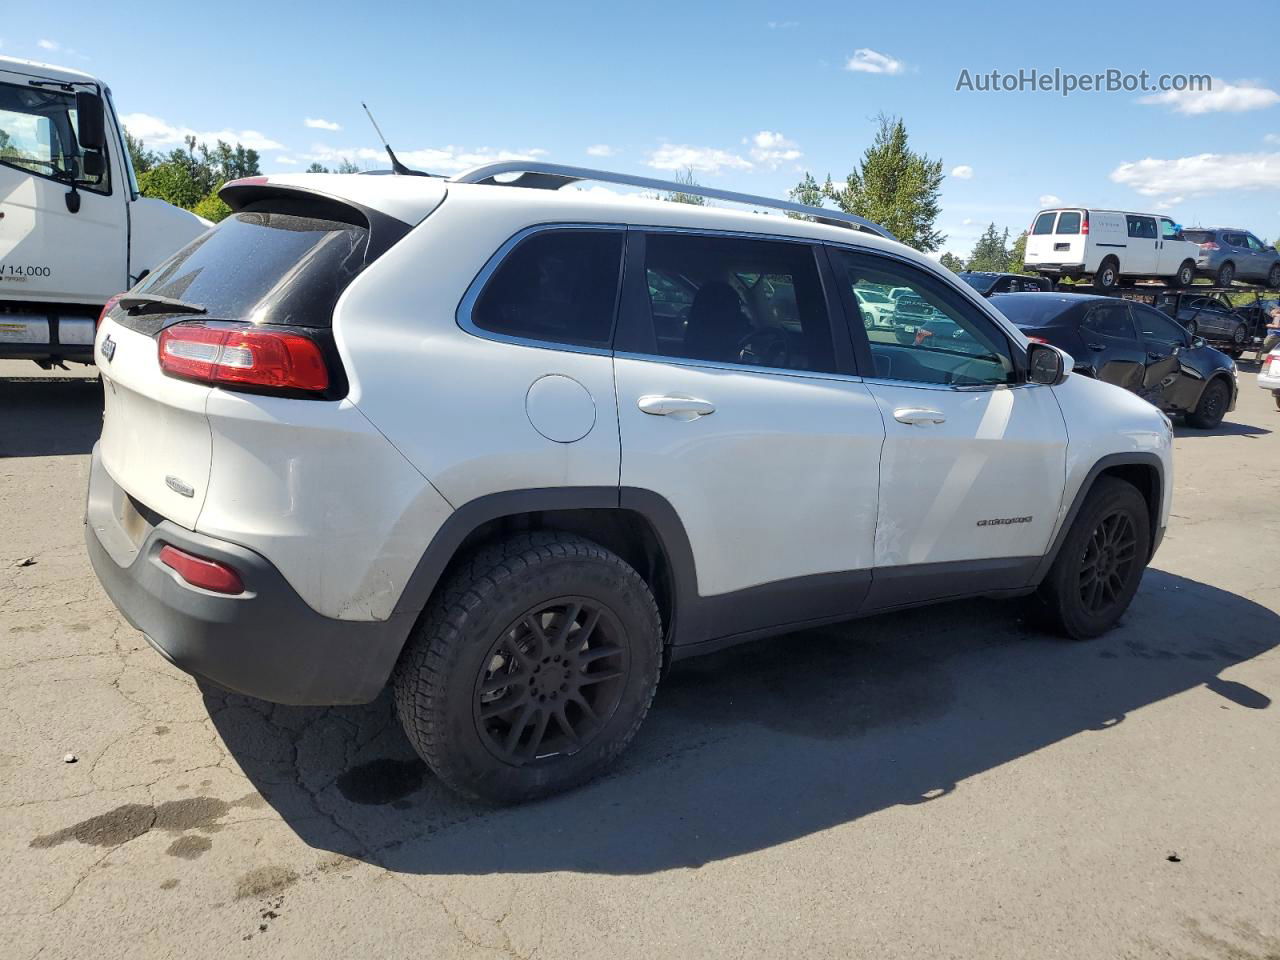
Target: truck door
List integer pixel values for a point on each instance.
(47, 252)
(1142, 255)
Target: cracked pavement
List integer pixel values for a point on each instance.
(946, 782)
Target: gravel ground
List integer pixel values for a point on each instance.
(942, 783)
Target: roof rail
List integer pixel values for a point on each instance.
(553, 176)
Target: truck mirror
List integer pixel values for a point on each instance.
(91, 126)
(92, 165)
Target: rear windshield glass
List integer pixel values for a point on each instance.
(1068, 222)
(262, 267)
(1197, 236)
(1044, 224)
(1030, 309)
(979, 281)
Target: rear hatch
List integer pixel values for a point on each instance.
(278, 265)
(1057, 236)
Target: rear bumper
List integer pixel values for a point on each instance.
(265, 642)
(1069, 269)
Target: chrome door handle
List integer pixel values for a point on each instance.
(679, 408)
(919, 415)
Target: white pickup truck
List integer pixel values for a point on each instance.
(74, 230)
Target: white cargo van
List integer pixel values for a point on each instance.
(73, 229)
(1109, 246)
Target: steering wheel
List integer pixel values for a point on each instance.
(765, 348)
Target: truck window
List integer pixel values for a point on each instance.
(1142, 228)
(1044, 223)
(37, 134)
(1068, 222)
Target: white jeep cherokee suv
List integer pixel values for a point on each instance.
(513, 449)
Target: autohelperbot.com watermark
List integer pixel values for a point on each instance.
(1067, 82)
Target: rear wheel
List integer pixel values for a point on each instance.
(1108, 274)
(1099, 567)
(1186, 273)
(1226, 274)
(1212, 406)
(532, 669)
(1192, 327)
(1273, 277)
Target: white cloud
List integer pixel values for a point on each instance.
(866, 60)
(601, 150)
(1168, 204)
(157, 133)
(773, 149)
(783, 24)
(1271, 138)
(285, 161)
(315, 123)
(672, 156)
(962, 172)
(1202, 173)
(50, 45)
(1049, 200)
(1222, 98)
(448, 159)
(968, 222)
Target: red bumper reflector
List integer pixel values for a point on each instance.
(201, 572)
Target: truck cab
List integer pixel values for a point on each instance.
(74, 229)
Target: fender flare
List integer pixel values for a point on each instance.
(1133, 458)
(466, 519)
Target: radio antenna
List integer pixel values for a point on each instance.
(396, 165)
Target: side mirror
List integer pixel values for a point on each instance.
(91, 121)
(1047, 364)
(92, 165)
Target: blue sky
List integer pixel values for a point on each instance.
(750, 94)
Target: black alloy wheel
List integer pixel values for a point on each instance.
(551, 681)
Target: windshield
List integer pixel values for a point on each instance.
(979, 281)
(262, 267)
(37, 134)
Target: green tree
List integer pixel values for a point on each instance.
(317, 168)
(346, 166)
(991, 252)
(172, 183)
(212, 207)
(143, 159)
(1018, 254)
(952, 262)
(893, 185)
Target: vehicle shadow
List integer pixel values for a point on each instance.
(1224, 429)
(762, 744)
(49, 417)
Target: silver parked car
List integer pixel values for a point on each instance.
(1228, 254)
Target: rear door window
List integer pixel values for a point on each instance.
(560, 286)
(1044, 223)
(1068, 222)
(1111, 320)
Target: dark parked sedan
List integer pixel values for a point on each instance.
(1212, 316)
(1133, 346)
(990, 283)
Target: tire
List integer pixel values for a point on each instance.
(1098, 569)
(1226, 274)
(1276, 395)
(1240, 336)
(1192, 327)
(1108, 275)
(1186, 273)
(1273, 277)
(1212, 406)
(498, 610)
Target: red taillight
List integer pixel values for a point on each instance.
(201, 572)
(1038, 340)
(102, 314)
(1084, 223)
(243, 356)
(1208, 245)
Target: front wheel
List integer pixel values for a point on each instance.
(1226, 275)
(1098, 569)
(1192, 327)
(532, 669)
(1273, 277)
(1212, 406)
